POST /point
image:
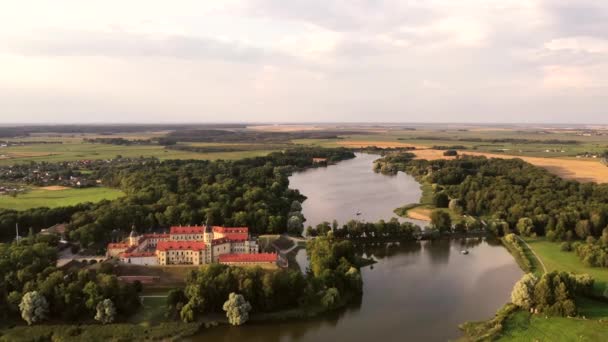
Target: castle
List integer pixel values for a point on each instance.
(191, 245)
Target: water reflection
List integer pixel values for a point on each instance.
(417, 291)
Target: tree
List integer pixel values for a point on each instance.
(330, 298)
(525, 226)
(34, 307)
(441, 220)
(237, 309)
(187, 312)
(295, 225)
(441, 200)
(523, 291)
(295, 206)
(106, 312)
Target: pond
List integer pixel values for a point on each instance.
(417, 291)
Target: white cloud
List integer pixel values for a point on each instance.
(579, 44)
(303, 60)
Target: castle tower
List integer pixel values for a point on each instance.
(208, 235)
(133, 237)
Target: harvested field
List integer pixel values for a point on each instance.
(381, 144)
(285, 128)
(422, 214)
(575, 169)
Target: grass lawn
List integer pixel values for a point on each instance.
(555, 259)
(38, 197)
(522, 326)
(169, 331)
(153, 311)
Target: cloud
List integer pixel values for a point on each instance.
(118, 43)
(303, 60)
(578, 17)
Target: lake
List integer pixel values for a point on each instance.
(417, 291)
(340, 191)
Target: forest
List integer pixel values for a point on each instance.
(332, 280)
(514, 196)
(250, 192)
(28, 269)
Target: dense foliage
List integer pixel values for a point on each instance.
(354, 229)
(250, 192)
(28, 266)
(333, 271)
(504, 191)
(593, 252)
(554, 293)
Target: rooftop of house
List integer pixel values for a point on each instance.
(234, 232)
(180, 245)
(118, 245)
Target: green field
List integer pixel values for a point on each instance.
(77, 151)
(38, 197)
(555, 259)
(447, 137)
(593, 326)
(522, 326)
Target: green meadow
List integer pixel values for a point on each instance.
(38, 197)
(78, 150)
(555, 259)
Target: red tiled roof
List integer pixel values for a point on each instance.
(220, 241)
(259, 257)
(137, 254)
(156, 236)
(117, 245)
(180, 245)
(187, 230)
(233, 233)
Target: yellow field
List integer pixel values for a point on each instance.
(580, 170)
(419, 213)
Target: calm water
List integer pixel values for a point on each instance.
(418, 291)
(340, 191)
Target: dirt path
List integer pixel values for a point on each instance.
(540, 261)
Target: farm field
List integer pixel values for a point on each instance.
(78, 150)
(57, 197)
(583, 170)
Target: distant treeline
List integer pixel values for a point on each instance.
(229, 148)
(500, 141)
(452, 147)
(20, 143)
(119, 141)
(19, 131)
(219, 136)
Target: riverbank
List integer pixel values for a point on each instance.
(512, 324)
(168, 331)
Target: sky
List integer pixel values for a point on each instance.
(106, 61)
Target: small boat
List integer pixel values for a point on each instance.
(464, 251)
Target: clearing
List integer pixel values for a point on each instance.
(52, 198)
(555, 259)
